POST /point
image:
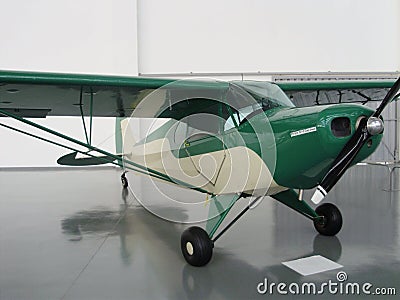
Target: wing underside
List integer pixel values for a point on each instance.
(47, 94)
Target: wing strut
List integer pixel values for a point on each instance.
(118, 160)
(212, 227)
(236, 218)
(88, 138)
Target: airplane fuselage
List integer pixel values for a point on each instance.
(309, 139)
(274, 150)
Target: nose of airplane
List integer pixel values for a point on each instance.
(338, 124)
(358, 146)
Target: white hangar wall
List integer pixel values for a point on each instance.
(268, 36)
(70, 36)
(147, 37)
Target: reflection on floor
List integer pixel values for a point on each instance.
(71, 234)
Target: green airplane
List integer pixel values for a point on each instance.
(229, 140)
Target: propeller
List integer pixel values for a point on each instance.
(366, 128)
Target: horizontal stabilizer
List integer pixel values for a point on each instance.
(71, 160)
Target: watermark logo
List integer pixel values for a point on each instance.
(341, 286)
(341, 276)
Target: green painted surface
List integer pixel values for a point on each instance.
(220, 206)
(109, 80)
(290, 198)
(334, 85)
(205, 145)
(79, 79)
(303, 160)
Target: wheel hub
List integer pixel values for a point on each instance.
(322, 221)
(189, 248)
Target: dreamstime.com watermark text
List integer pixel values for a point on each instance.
(338, 287)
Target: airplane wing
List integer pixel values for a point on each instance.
(48, 94)
(31, 94)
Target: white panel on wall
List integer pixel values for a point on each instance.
(91, 36)
(179, 36)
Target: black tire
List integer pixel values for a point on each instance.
(124, 181)
(196, 246)
(332, 221)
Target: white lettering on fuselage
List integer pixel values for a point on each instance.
(303, 131)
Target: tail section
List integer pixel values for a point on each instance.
(73, 159)
(124, 141)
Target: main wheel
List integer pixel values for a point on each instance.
(196, 246)
(124, 181)
(332, 221)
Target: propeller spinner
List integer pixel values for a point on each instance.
(366, 128)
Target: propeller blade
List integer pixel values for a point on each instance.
(342, 162)
(388, 98)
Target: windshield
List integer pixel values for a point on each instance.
(267, 95)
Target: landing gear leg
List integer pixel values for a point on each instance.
(197, 245)
(124, 181)
(326, 217)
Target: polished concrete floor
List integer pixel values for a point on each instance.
(74, 234)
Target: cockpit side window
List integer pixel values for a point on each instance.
(238, 116)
